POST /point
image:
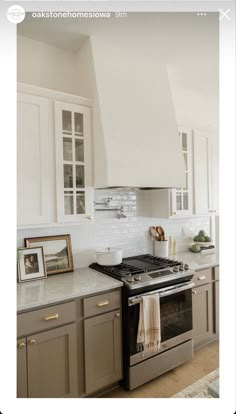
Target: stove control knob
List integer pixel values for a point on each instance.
(181, 268)
(175, 269)
(130, 279)
(137, 277)
(186, 267)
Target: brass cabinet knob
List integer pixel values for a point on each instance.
(32, 342)
(194, 292)
(117, 314)
(174, 213)
(21, 345)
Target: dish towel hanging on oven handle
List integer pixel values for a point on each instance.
(149, 327)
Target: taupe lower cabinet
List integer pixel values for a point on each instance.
(71, 349)
(103, 361)
(205, 306)
(47, 355)
(52, 368)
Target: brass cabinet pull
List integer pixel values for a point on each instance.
(50, 318)
(194, 292)
(32, 342)
(174, 213)
(21, 345)
(104, 303)
(203, 277)
(118, 315)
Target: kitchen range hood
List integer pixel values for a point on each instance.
(136, 140)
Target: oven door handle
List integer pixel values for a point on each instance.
(176, 290)
(162, 293)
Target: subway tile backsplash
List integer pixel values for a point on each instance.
(130, 233)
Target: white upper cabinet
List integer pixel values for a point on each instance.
(177, 202)
(54, 158)
(214, 175)
(73, 162)
(33, 192)
(206, 167)
(182, 198)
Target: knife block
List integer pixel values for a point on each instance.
(161, 248)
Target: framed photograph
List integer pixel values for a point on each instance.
(57, 252)
(31, 264)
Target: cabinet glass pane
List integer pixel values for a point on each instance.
(80, 202)
(68, 176)
(68, 203)
(67, 121)
(80, 176)
(186, 181)
(185, 201)
(79, 150)
(186, 160)
(178, 201)
(67, 149)
(79, 124)
(184, 142)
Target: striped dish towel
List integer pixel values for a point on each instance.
(149, 327)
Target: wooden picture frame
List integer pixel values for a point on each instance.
(57, 252)
(31, 264)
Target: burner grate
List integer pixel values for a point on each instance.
(118, 271)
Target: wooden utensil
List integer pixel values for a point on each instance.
(161, 234)
(153, 232)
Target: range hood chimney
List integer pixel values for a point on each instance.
(136, 141)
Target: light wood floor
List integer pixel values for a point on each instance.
(205, 360)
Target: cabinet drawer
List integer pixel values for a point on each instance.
(45, 318)
(202, 276)
(101, 303)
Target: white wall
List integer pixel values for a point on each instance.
(131, 234)
(46, 66)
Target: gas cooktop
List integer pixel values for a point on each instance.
(144, 270)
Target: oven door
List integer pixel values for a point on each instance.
(175, 318)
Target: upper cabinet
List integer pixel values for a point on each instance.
(200, 196)
(73, 162)
(206, 168)
(33, 160)
(177, 202)
(54, 158)
(182, 198)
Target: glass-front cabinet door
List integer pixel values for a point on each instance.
(73, 162)
(182, 203)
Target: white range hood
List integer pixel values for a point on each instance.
(136, 142)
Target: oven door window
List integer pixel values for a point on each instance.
(176, 314)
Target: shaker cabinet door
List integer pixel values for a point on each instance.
(103, 361)
(202, 314)
(73, 162)
(52, 363)
(33, 195)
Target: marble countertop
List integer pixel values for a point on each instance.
(86, 281)
(198, 261)
(66, 286)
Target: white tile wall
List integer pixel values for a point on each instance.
(130, 233)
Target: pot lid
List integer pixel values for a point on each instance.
(108, 250)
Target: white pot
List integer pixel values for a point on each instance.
(109, 256)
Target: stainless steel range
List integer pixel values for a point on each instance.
(146, 275)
